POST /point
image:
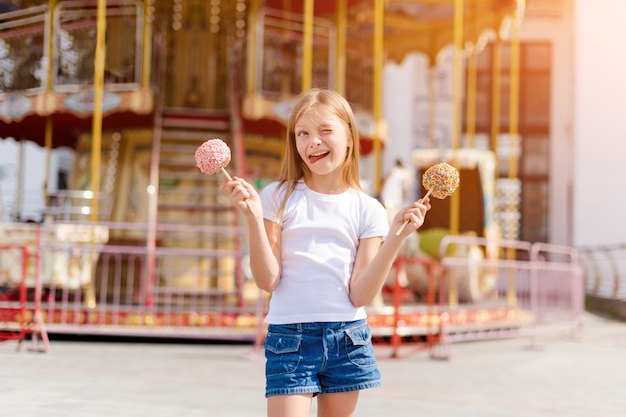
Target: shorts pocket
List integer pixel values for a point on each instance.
(359, 346)
(282, 352)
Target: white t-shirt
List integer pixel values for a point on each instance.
(319, 239)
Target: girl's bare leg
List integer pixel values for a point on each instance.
(296, 405)
(341, 404)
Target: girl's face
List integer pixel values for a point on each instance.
(322, 141)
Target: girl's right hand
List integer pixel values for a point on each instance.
(243, 196)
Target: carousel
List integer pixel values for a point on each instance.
(141, 243)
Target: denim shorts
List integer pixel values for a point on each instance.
(319, 358)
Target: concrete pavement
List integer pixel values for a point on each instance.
(565, 376)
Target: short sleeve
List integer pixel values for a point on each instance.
(375, 220)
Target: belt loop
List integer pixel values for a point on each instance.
(300, 328)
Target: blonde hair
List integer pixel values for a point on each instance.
(293, 167)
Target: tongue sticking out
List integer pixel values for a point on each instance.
(314, 158)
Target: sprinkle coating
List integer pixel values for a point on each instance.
(442, 178)
(212, 155)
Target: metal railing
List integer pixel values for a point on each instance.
(605, 271)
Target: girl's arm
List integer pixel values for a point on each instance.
(263, 235)
(373, 260)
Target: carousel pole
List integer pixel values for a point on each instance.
(96, 132)
(48, 145)
(153, 187)
(146, 59)
(307, 46)
(432, 103)
(48, 126)
(379, 11)
(514, 128)
(496, 92)
(514, 101)
(19, 187)
(340, 70)
(457, 84)
(470, 129)
(251, 68)
(457, 91)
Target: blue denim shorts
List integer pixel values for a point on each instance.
(319, 358)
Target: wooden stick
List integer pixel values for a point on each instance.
(227, 174)
(401, 229)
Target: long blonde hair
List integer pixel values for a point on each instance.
(293, 167)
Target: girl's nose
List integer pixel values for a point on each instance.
(315, 141)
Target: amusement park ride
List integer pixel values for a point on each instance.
(143, 244)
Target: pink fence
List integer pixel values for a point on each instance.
(523, 289)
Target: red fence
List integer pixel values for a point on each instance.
(20, 313)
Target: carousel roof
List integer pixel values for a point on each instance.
(425, 26)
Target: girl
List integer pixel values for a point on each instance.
(318, 250)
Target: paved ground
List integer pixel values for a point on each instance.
(570, 377)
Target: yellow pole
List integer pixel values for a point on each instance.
(48, 128)
(19, 188)
(457, 82)
(51, 5)
(48, 144)
(496, 93)
(457, 103)
(456, 133)
(253, 10)
(514, 130)
(307, 46)
(514, 99)
(147, 48)
(379, 11)
(432, 100)
(340, 72)
(471, 98)
(96, 132)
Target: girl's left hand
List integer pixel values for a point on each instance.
(413, 215)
